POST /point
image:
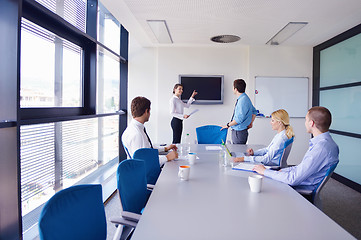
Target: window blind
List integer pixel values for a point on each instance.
(72, 11)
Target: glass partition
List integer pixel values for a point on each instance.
(345, 106)
(350, 162)
(340, 64)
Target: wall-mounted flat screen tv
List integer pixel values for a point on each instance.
(209, 88)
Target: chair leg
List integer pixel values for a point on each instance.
(126, 232)
(118, 232)
(123, 232)
(130, 234)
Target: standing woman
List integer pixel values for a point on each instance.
(176, 109)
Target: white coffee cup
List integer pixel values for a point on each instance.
(255, 183)
(183, 172)
(192, 158)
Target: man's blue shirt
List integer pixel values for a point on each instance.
(243, 112)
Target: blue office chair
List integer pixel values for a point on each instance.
(132, 189)
(314, 195)
(151, 159)
(126, 151)
(211, 134)
(286, 151)
(75, 213)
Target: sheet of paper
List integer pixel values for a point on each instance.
(244, 166)
(183, 158)
(210, 148)
(194, 111)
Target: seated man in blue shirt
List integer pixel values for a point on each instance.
(322, 153)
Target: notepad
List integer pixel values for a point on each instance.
(244, 166)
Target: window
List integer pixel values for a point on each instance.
(54, 125)
(108, 29)
(69, 102)
(73, 11)
(58, 155)
(55, 78)
(108, 83)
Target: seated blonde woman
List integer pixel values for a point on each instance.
(270, 156)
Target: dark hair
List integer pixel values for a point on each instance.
(176, 86)
(321, 116)
(139, 106)
(240, 85)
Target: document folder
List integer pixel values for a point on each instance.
(244, 166)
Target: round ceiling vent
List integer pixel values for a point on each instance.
(225, 38)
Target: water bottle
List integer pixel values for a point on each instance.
(187, 143)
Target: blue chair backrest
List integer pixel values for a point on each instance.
(132, 185)
(151, 159)
(286, 151)
(211, 134)
(323, 182)
(75, 213)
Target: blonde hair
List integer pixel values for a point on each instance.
(282, 116)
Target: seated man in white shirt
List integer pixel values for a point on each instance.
(135, 137)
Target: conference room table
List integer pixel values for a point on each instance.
(216, 203)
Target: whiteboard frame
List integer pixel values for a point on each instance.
(289, 93)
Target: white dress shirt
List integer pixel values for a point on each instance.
(134, 138)
(177, 106)
(272, 154)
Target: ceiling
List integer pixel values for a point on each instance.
(194, 22)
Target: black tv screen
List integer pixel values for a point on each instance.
(209, 88)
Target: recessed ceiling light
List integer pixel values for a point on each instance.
(286, 32)
(160, 30)
(225, 39)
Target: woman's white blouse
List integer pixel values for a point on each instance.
(177, 106)
(272, 154)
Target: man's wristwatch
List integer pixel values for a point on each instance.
(228, 125)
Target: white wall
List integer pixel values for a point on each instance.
(142, 80)
(281, 62)
(153, 73)
(230, 62)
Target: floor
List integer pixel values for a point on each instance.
(112, 209)
(343, 205)
(340, 203)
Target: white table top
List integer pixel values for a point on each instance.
(216, 203)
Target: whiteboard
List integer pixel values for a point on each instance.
(289, 93)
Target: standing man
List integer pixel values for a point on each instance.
(243, 115)
(320, 156)
(135, 136)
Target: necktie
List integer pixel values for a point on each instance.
(151, 146)
(234, 109)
